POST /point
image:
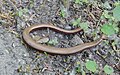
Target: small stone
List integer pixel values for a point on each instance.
(65, 73)
(43, 40)
(68, 27)
(41, 1)
(76, 40)
(36, 38)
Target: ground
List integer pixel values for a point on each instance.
(18, 58)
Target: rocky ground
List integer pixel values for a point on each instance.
(17, 58)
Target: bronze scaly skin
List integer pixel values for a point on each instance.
(55, 50)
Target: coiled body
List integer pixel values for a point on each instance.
(54, 50)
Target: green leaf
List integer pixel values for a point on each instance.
(76, 22)
(117, 3)
(78, 69)
(83, 73)
(108, 69)
(25, 10)
(115, 26)
(107, 5)
(116, 13)
(80, 1)
(63, 13)
(20, 12)
(53, 41)
(84, 26)
(106, 15)
(77, 1)
(86, 1)
(91, 65)
(108, 29)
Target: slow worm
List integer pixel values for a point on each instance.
(55, 50)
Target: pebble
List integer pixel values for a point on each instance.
(43, 40)
(68, 27)
(36, 38)
(76, 40)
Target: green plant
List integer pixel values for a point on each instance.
(86, 1)
(83, 73)
(107, 5)
(117, 3)
(109, 29)
(84, 26)
(116, 13)
(22, 11)
(46, 53)
(91, 65)
(79, 68)
(78, 23)
(77, 1)
(53, 41)
(106, 14)
(108, 69)
(63, 12)
(81, 1)
(31, 3)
